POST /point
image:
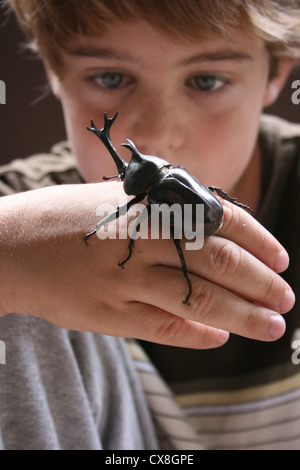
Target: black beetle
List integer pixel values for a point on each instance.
(161, 182)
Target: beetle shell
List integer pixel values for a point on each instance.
(178, 186)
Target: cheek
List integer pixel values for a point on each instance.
(226, 137)
(92, 158)
(224, 146)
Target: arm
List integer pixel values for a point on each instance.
(46, 270)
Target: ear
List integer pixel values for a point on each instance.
(276, 84)
(53, 80)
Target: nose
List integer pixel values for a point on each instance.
(157, 126)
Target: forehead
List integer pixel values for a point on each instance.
(139, 41)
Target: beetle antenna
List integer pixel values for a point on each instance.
(104, 136)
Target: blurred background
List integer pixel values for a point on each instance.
(31, 120)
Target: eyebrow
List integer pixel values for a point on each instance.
(221, 55)
(100, 53)
(108, 53)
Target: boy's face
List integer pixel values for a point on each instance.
(195, 104)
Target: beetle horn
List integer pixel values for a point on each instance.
(104, 136)
(131, 146)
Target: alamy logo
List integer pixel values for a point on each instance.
(296, 94)
(186, 221)
(2, 92)
(295, 345)
(2, 352)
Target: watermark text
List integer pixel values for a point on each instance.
(296, 93)
(2, 92)
(2, 352)
(154, 222)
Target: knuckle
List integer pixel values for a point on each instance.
(267, 244)
(262, 241)
(253, 321)
(172, 331)
(270, 289)
(227, 259)
(203, 302)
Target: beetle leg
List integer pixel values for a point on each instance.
(233, 200)
(107, 178)
(183, 265)
(104, 221)
(145, 213)
(120, 211)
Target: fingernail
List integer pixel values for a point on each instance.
(287, 301)
(282, 262)
(276, 326)
(223, 337)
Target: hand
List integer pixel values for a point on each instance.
(47, 270)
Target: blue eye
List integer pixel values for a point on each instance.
(110, 79)
(208, 82)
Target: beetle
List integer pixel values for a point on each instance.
(161, 182)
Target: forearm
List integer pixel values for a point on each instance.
(11, 229)
(34, 226)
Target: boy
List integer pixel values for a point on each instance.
(189, 83)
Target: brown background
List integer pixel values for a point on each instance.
(30, 123)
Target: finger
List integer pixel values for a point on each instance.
(226, 264)
(159, 326)
(210, 305)
(247, 232)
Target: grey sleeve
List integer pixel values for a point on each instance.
(62, 389)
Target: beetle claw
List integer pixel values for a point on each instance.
(88, 235)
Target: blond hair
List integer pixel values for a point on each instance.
(51, 24)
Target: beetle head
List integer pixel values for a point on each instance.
(141, 170)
